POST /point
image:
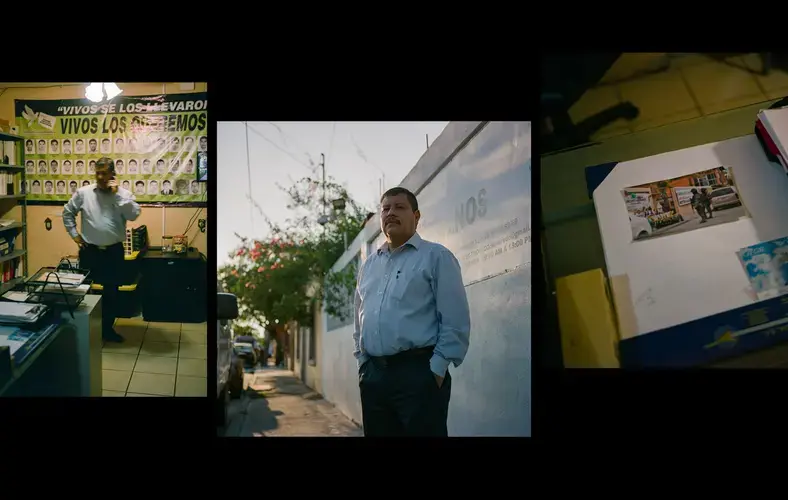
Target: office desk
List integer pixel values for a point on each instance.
(87, 324)
(173, 287)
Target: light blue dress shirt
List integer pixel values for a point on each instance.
(104, 214)
(409, 298)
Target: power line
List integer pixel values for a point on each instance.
(311, 169)
(249, 173)
(298, 144)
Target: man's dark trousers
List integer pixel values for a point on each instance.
(105, 265)
(400, 396)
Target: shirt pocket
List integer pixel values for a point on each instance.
(414, 283)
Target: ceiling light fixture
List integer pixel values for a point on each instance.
(97, 91)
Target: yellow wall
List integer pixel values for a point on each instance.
(46, 248)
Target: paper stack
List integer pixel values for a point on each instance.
(772, 125)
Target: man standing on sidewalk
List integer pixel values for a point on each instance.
(411, 322)
(105, 209)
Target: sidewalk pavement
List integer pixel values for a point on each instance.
(277, 403)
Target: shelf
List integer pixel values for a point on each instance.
(11, 196)
(4, 287)
(13, 255)
(5, 136)
(4, 166)
(15, 225)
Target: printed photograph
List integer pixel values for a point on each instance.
(175, 166)
(166, 187)
(92, 167)
(60, 187)
(36, 187)
(49, 187)
(189, 166)
(30, 167)
(42, 147)
(182, 187)
(188, 144)
(701, 199)
(161, 167)
(42, 167)
(80, 168)
(54, 168)
(66, 146)
(67, 167)
(29, 147)
(175, 144)
(72, 187)
(85, 183)
(120, 167)
(203, 143)
(133, 168)
(126, 185)
(195, 187)
(766, 266)
(146, 168)
(133, 145)
(153, 187)
(139, 187)
(106, 146)
(120, 145)
(93, 146)
(79, 146)
(54, 147)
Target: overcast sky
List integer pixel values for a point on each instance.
(358, 154)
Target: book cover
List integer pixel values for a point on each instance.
(766, 265)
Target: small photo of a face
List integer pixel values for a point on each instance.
(146, 168)
(42, 147)
(29, 147)
(92, 146)
(120, 168)
(188, 143)
(72, 187)
(166, 187)
(67, 166)
(36, 187)
(119, 145)
(175, 144)
(79, 146)
(85, 183)
(161, 144)
(195, 187)
(60, 187)
(133, 168)
(30, 167)
(54, 168)
(80, 168)
(42, 168)
(106, 146)
(54, 146)
(182, 186)
(133, 146)
(153, 187)
(92, 167)
(161, 168)
(189, 167)
(175, 166)
(203, 143)
(49, 187)
(139, 187)
(66, 146)
(126, 185)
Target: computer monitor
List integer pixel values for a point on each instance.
(202, 166)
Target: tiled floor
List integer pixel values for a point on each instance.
(672, 88)
(157, 359)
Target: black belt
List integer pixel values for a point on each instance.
(402, 356)
(104, 247)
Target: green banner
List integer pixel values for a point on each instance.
(158, 143)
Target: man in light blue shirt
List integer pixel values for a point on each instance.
(411, 323)
(105, 209)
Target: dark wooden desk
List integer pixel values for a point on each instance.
(173, 287)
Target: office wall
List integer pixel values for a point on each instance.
(47, 247)
(491, 389)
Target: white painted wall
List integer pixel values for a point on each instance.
(491, 389)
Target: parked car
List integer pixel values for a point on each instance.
(724, 197)
(258, 348)
(247, 353)
(229, 367)
(640, 227)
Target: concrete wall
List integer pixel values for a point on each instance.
(491, 389)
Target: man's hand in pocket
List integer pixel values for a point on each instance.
(438, 379)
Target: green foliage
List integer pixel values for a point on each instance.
(280, 278)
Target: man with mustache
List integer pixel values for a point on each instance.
(411, 322)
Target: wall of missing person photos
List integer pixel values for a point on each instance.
(48, 245)
(154, 140)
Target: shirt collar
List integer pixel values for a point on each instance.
(414, 241)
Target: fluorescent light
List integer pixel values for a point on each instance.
(97, 91)
(112, 90)
(94, 92)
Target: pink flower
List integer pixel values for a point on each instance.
(248, 285)
(235, 272)
(260, 269)
(240, 252)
